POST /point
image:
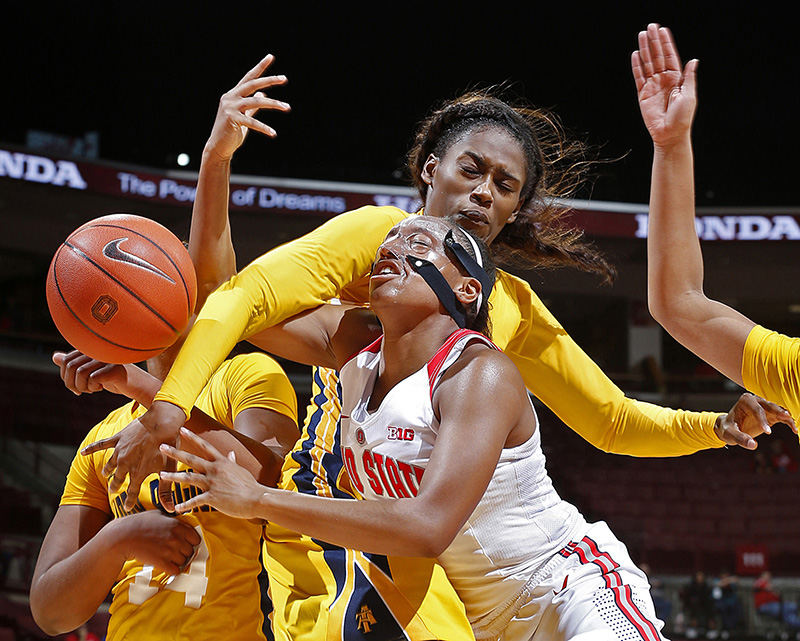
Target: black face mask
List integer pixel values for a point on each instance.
(440, 286)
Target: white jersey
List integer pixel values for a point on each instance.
(520, 524)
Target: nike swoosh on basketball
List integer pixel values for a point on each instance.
(113, 251)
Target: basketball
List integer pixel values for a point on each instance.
(121, 288)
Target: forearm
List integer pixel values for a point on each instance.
(219, 327)
(392, 527)
(675, 261)
(210, 243)
(258, 459)
(140, 386)
(68, 593)
(570, 383)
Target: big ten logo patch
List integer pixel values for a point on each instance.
(399, 433)
(104, 309)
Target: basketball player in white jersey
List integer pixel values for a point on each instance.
(435, 415)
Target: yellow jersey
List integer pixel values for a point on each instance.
(332, 261)
(771, 368)
(223, 593)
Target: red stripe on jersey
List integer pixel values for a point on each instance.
(374, 347)
(437, 361)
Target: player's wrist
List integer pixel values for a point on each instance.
(215, 156)
(163, 419)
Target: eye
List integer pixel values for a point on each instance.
(470, 169)
(418, 242)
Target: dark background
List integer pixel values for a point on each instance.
(148, 77)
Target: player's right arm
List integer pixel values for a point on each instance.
(84, 549)
(667, 100)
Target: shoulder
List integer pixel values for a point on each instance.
(484, 370)
(371, 216)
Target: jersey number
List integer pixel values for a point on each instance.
(193, 581)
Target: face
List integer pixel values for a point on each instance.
(478, 182)
(394, 279)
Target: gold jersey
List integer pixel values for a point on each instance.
(771, 368)
(223, 593)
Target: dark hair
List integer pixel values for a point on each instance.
(557, 167)
(477, 318)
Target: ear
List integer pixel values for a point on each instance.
(467, 290)
(429, 169)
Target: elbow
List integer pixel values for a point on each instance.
(658, 306)
(431, 539)
(49, 619)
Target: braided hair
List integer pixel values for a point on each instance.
(556, 168)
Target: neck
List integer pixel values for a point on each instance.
(406, 350)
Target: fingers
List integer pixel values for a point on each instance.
(736, 437)
(72, 374)
(200, 481)
(774, 413)
(644, 54)
(638, 71)
(656, 48)
(201, 445)
(165, 488)
(195, 502)
(260, 68)
(102, 444)
(185, 457)
(669, 51)
(111, 465)
(690, 76)
(134, 486)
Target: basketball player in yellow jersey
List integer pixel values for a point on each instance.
(480, 162)
(763, 361)
(190, 578)
(96, 545)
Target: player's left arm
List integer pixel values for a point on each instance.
(566, 379)
(479, 408)
(668, 99)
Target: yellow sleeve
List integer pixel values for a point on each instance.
(771, 368)
(85, 484)
(299, 275)
(257, 380)
(571, 384)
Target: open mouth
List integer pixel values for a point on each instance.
(386, 267)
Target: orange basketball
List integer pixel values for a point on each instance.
(121, 288)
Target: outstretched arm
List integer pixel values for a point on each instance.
(488, 387)
(210, 242)
(667, 98)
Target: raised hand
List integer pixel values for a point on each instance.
(226, 486)
(237, 107)
(750, 417)
(667, 93)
